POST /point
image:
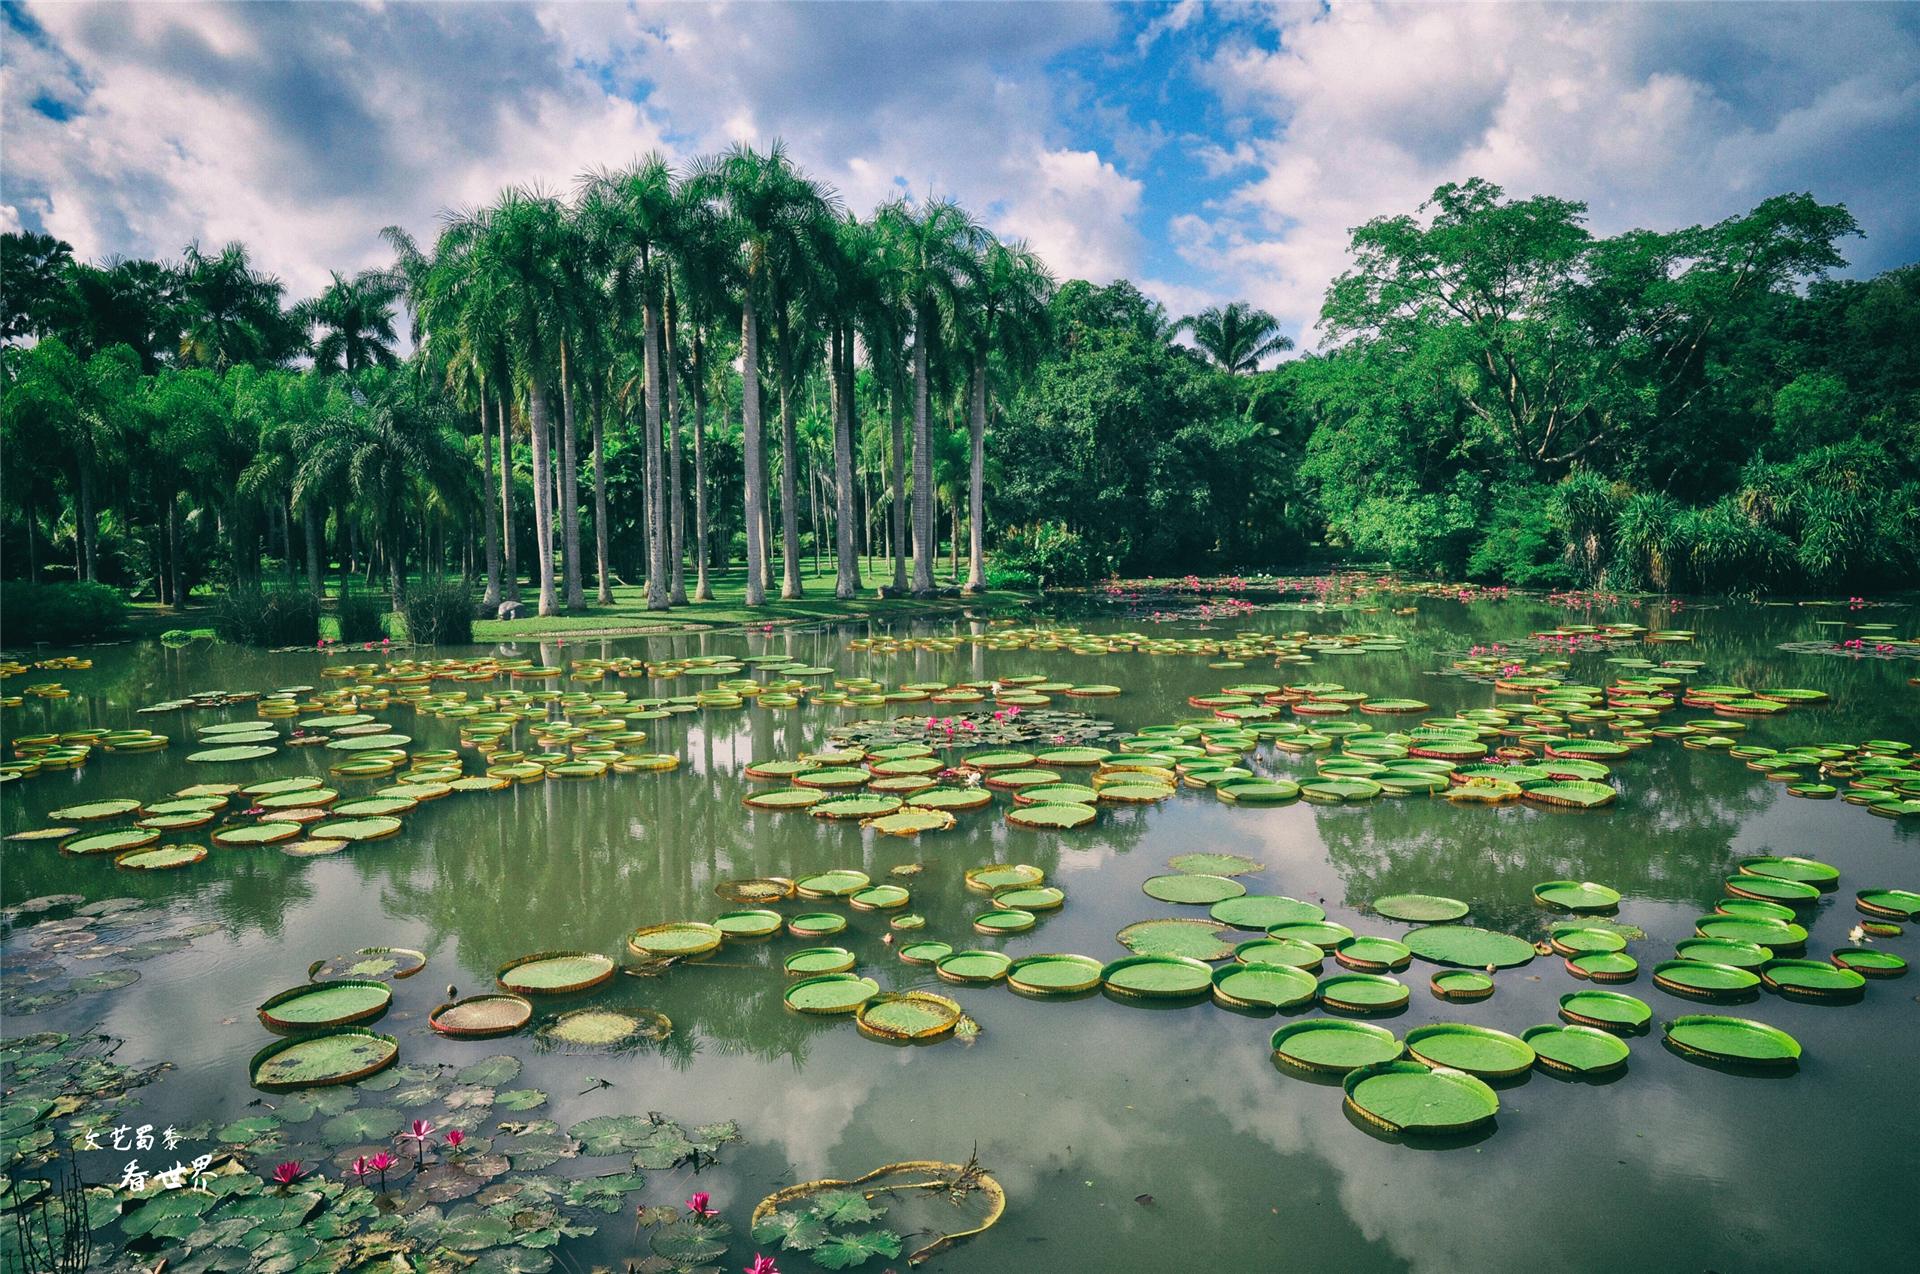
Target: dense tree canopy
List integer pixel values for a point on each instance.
(736, 367)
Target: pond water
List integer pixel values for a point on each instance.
(1128, 1135)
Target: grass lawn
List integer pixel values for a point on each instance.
(629, 613)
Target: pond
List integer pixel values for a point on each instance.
(1128, 1133)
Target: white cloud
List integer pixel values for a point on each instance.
(1655, 116)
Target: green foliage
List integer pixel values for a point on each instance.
(438, 612)
(59, 614)
(361, 616)
(1046, 553)
(277, 616)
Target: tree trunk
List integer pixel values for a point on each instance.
(846, 575)
(898, 422)
(702, 588)
(88, 548)
(510, 590)
(310, 519)
(789, 505)
(542, 498)
(659, 544)
(924, 547)
(569, 488)
(33, 547)
(173, 551)
(491, 602)
(976, 489)
(752, 445)
(604, 594)
(676, 492)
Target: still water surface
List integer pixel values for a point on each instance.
(1128, 1138)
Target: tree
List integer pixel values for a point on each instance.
(1236, 337)
(231, 312)
(356, 318)
(1007, 318)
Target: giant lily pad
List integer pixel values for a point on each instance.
(1894, 904)
(1812, 979)
(910, 1015)
(1195, 939)
(1261, 985)
(1363, 992)
(830, 993)
(556, 972)
(1574, 895)
(675, 938)
(1701, 980)
(1264, 911)
(369, 962)
(318, 1004)
(1477, 1050)
(1733, 1039)
(1192, 889)
(1335, 1046)
(1468, 947)
(973, 966)
(1576, 1050)
(336, 1056)
(1157, 977)
(1214, 864)
(1407, 1097)
(1054, 974)
(1611, 1010)
(482, 1016)
(1420, 908)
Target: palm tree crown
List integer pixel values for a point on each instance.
(1236, 336)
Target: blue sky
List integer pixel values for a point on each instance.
(1207, 151)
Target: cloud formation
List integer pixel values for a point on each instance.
(1208, 151)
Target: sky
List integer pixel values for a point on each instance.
(1209, 152)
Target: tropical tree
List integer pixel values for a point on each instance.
(1236, 337)
(1005, 316)
(231, 312)
(355, 317)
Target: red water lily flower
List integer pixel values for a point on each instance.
(697, 1205)
(288, 1173)
(762, 1265)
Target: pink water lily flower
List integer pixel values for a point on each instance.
(288, 1173)
(762, 1265)
(697, 1205)
(420, 1133)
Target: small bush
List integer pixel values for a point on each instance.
(267, 617)
(1045, 553)
(439, 613)
(362, 616)
(59, 614)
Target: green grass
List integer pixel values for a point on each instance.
(629, 613)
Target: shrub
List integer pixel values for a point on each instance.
(1044, 553)
(362, 616)
(439, 612)
(252, 616)
(59, 614)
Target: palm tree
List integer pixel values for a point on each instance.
(1006, 315)
(356, 317)
(766, 209)
(938, 244)
(1236, 337)
(700, 272)
(231, 312)
(515, 283)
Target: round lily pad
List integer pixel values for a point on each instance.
(1324, 934)
(998, 876)
(1052, 816)
(973, 966)
(369, 962)
(164, 858)
(912, 822)
(1461, 986)
(816, 924)
(94, 811)
(1807, 871)
(339, 1055)
(1288, 951)
(1894, 904)
(1214, 864)
(238, 752)
(755, 890)
(1576, 1050)
(1335, 1046)
(1812, 979)
(119, 841)
(928, 951)
(558, 972)
(880, 898)
(1192, 889)
(1257, 792)
(1260, 985)
(1420, 908)
(675, 938)
(1157, 976)
(1030, 898)
(1363, 992)
(1777, 934)
(815, 961)
(1609, 1009)
(247, 834)
(753, 923)
(1407, 1097)
(482, 1016)
(855, 807)
(356, 829)
(1477, 1050)
(337, 1003)
(1371, 954)
(830, 993)
(786, 798)
(1870, 962)
(910, 1015)
(1468, 947)
(1263, 911)
(1574, 794)
(1772, 889)
(950, 798)
(1054, 974)
(1574, 895)
(1741, 955)
(1733, 1039)
(1700, 980)
(1004, 920)
(605, 1028)
(1604, 966)
(839, 883)
(1195, 939)
(1579, 940)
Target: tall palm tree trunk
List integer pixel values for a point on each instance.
(846, 575)
(924, 546)
(310, 521)
(753, 442)
(542, 498)
(87, 523)
(569, 488)
(659, 545)
(789, 504)
(491, 602)
(897, 420)
(510, 590)
(676, 493)
(702, 588)
(604, 594)
(976, 479)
